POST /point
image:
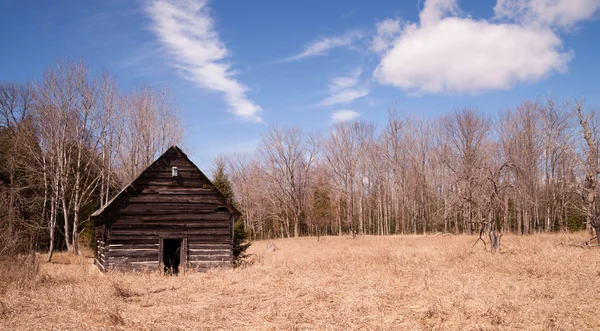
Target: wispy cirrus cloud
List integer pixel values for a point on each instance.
(387, 31)
(186, 31)
(323, 45)
(344, 115)
(345, 89)
(558, 13)
(345, 96)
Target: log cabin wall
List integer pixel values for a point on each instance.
(158, 206)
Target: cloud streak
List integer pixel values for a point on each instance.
(560, 13)
(324, 44)
(344, 115)
(186, 31)
(345, 89)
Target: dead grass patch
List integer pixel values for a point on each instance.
(375, 283)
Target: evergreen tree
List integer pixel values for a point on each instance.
(321, 208)
(240, 244)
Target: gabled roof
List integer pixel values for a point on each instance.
(101, 211)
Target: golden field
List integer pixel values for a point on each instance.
(337, 283)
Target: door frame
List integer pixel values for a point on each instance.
(183, 252)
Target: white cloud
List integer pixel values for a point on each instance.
(324, 44)
(446, 53)
(345, 90)
(561, 13)
(387, 31)
(186, 31)
(345, 96)
(345, 82)
(344, 115)
(435, 10)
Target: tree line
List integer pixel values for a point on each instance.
(68, 142)
(71, 139)
(525, 170)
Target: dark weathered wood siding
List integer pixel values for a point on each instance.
(158, 206)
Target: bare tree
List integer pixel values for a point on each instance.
(152, 123)
(394, 149)
(21, 190)
(451, 174)
(466, 132)
(289, 155)
(590, 126)
(556, 133)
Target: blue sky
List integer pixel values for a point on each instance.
(238, 67)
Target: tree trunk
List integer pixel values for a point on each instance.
(495, 237)
(51, 249)
(67, 226)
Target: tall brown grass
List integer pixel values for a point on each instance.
(337, 283)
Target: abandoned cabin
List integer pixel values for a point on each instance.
(170, 218)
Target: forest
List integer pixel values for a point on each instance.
(70, 140)
(525, 170)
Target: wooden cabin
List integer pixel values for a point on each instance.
(171, 218)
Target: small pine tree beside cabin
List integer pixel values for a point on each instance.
(171, 218)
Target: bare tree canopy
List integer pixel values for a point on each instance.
(68, 142)
(529, 169)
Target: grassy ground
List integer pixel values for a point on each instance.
(396, 282)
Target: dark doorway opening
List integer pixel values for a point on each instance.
(171, 255)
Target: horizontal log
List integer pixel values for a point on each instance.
(169, 189)
(209, 252)
(146, 238)
(209, 265)
(165, 213)
(173, 159)
(182, 174)
(134, 246)
(161, 230)
(134, 253)
(133, 240)
(180, 163)
(182, 202)
(141, 228)
(150, 264)
(177, 198)
(203, 245)
(120, 260)
(151, 239)
(210, 258)
(174, 182)
(167, 208)
(167, 169)
(131, 268)
(185, 217)
(169, 224)
(198, 241)
(179, 232)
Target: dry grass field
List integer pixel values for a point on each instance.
(368, 283)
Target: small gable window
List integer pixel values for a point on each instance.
(174, 172)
